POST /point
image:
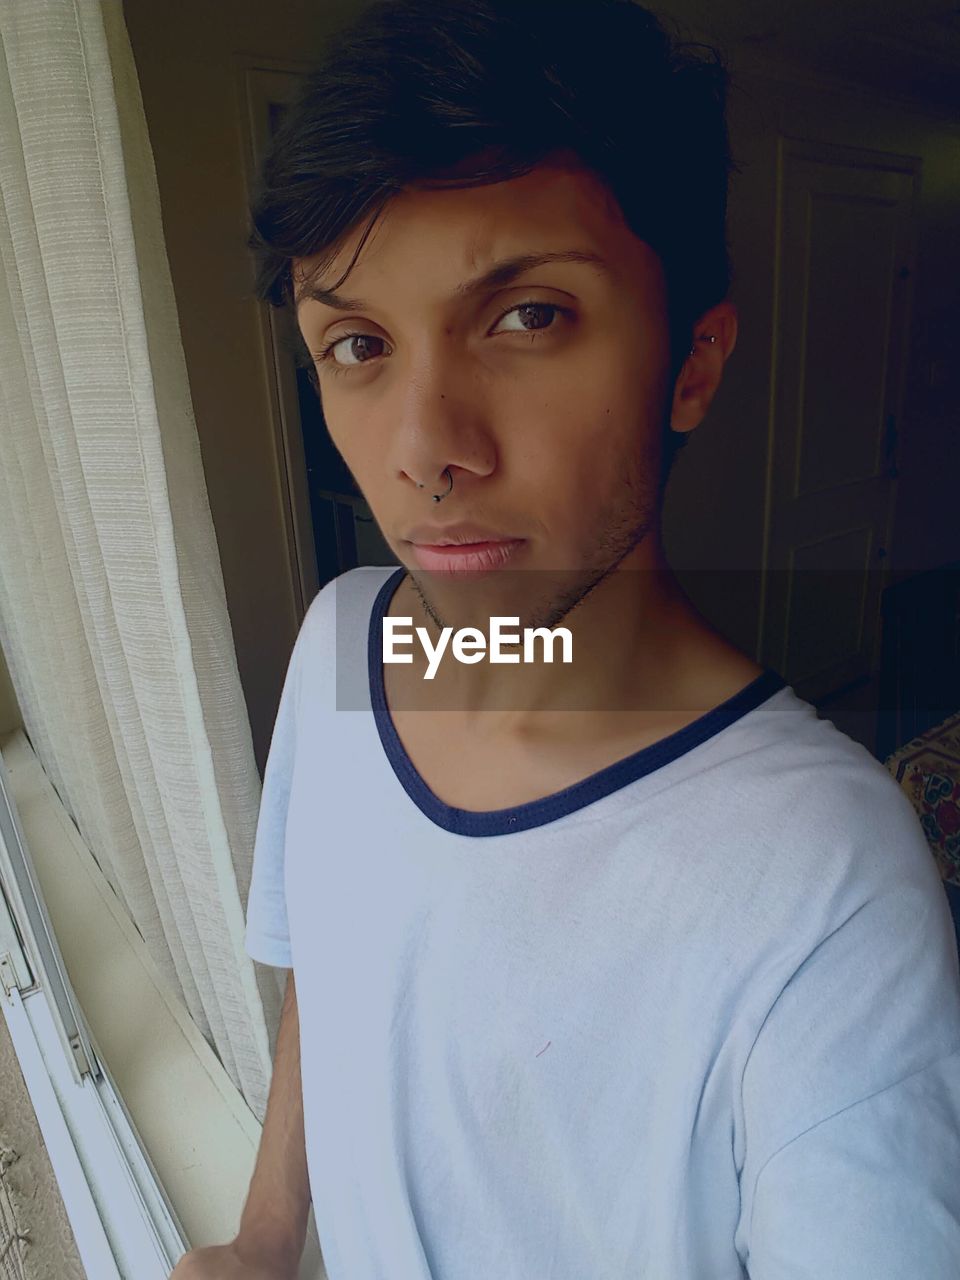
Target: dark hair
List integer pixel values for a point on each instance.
(412, 91)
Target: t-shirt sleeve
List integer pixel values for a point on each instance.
(870, 1193)
(267, 938)
(851, 1092)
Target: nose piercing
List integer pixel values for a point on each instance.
(439, 497)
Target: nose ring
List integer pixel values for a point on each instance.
(439, 497)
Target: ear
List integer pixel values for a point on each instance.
(702, 370)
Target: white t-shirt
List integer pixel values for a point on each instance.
(693, 1018)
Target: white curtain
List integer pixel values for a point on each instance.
(113, 618)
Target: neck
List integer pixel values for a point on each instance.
(631, 636)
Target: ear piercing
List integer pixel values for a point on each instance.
(706, 337)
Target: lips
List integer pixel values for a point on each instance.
(454, 535)
(466, 557)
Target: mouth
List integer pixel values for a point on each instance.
(466, 557)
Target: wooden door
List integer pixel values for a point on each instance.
(843, 276)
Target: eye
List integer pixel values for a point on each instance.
(529, 310)
(326, 354)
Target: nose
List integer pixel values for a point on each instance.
(441, 432)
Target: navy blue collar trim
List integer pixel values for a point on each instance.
(498, 822)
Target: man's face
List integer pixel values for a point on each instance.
(545, 395)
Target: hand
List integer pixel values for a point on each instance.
(224, 1262)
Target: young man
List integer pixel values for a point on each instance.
(627, 967)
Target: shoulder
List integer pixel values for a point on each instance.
(819, 831)
(827, 791)
(342, 607)
(330, 655)
(858, 976)
(855, 804)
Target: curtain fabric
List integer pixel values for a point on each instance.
(113, 618)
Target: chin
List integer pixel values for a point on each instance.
(536, 596)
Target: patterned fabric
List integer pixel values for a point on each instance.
(928, 769)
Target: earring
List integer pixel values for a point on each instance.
(707, 337)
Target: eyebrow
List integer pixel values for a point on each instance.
(497, 276)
